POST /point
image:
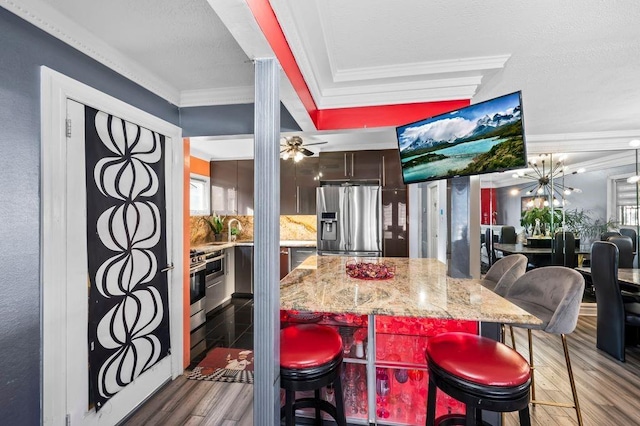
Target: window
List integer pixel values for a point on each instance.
(199, 195)
(626, 205)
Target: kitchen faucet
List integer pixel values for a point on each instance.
(229, 227)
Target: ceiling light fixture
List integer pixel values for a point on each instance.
(545, 180)
(292, 148)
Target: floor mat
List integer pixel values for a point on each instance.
(225, 365)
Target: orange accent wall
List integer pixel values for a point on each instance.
(186, 353)
(199, 166)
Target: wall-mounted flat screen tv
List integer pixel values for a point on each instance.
(481, 138)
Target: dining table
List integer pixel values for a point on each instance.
(626, 276)
(526, 250)
(539, 256)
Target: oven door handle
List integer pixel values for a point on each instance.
(197, 269)
(214, 259)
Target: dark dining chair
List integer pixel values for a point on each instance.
(613, 313)
(488, 245)
(625, 250)
(565, 250)
(631, 233)
(508, 235)
(605, 235)
(553, 294)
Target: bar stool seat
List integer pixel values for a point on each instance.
(481, 372)
(310, 359)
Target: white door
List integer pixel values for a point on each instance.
(433, 220)
(111, 314)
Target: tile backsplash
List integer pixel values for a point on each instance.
(298, 227)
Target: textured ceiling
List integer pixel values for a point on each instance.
(577, 62)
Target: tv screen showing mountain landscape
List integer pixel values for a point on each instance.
(481, 138)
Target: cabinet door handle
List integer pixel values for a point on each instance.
(345, 164)
(297, 199)
(167, 268)
(352, 155)
(384, 175)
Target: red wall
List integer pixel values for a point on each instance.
(488, 206)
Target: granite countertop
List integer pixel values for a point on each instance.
(221, 245)
(420, 288)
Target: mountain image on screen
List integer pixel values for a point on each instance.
(480, 138)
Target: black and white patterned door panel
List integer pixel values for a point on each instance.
(126, 245)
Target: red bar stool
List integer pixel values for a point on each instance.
(481, 372)
(311, 358)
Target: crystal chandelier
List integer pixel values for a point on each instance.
(547, 180)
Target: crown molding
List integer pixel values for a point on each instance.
(422, 68)
(591, 141)
(59, 26)
(219, 96)
(387, 96)
(284, 14)
(402, 92)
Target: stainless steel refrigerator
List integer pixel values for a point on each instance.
(349, 219)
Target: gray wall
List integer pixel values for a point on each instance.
(227, 120)
(23, 49)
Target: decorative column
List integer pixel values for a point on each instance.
(266, 268)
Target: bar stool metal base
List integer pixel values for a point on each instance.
(292, 380)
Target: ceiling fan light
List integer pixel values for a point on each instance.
(285, 156)
(298, 156)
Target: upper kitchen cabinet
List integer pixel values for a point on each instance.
(306, 184)
(245, 187)
(298, 183)
(391, 171)
(288, 202)
(232, 187)
(224, 186)
(350, 165)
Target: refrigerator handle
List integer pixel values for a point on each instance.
(347, 209)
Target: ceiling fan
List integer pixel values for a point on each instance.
(292, 148)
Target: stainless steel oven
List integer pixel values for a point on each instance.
(197, 292)
(215, 265)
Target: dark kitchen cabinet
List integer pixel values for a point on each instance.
(391, 171)
(306, 184)
(394, 223)
(333, 166)
(232, 187)
(360, 165)
(224, 186)
(364, 165)
(298, 183)
(243, 264)
(245, 187)
(288, 201)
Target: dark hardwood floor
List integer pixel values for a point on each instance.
(608, 390)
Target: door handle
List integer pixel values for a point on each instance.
(167, 268)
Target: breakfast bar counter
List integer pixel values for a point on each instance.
(418, 288)
(385, 314)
